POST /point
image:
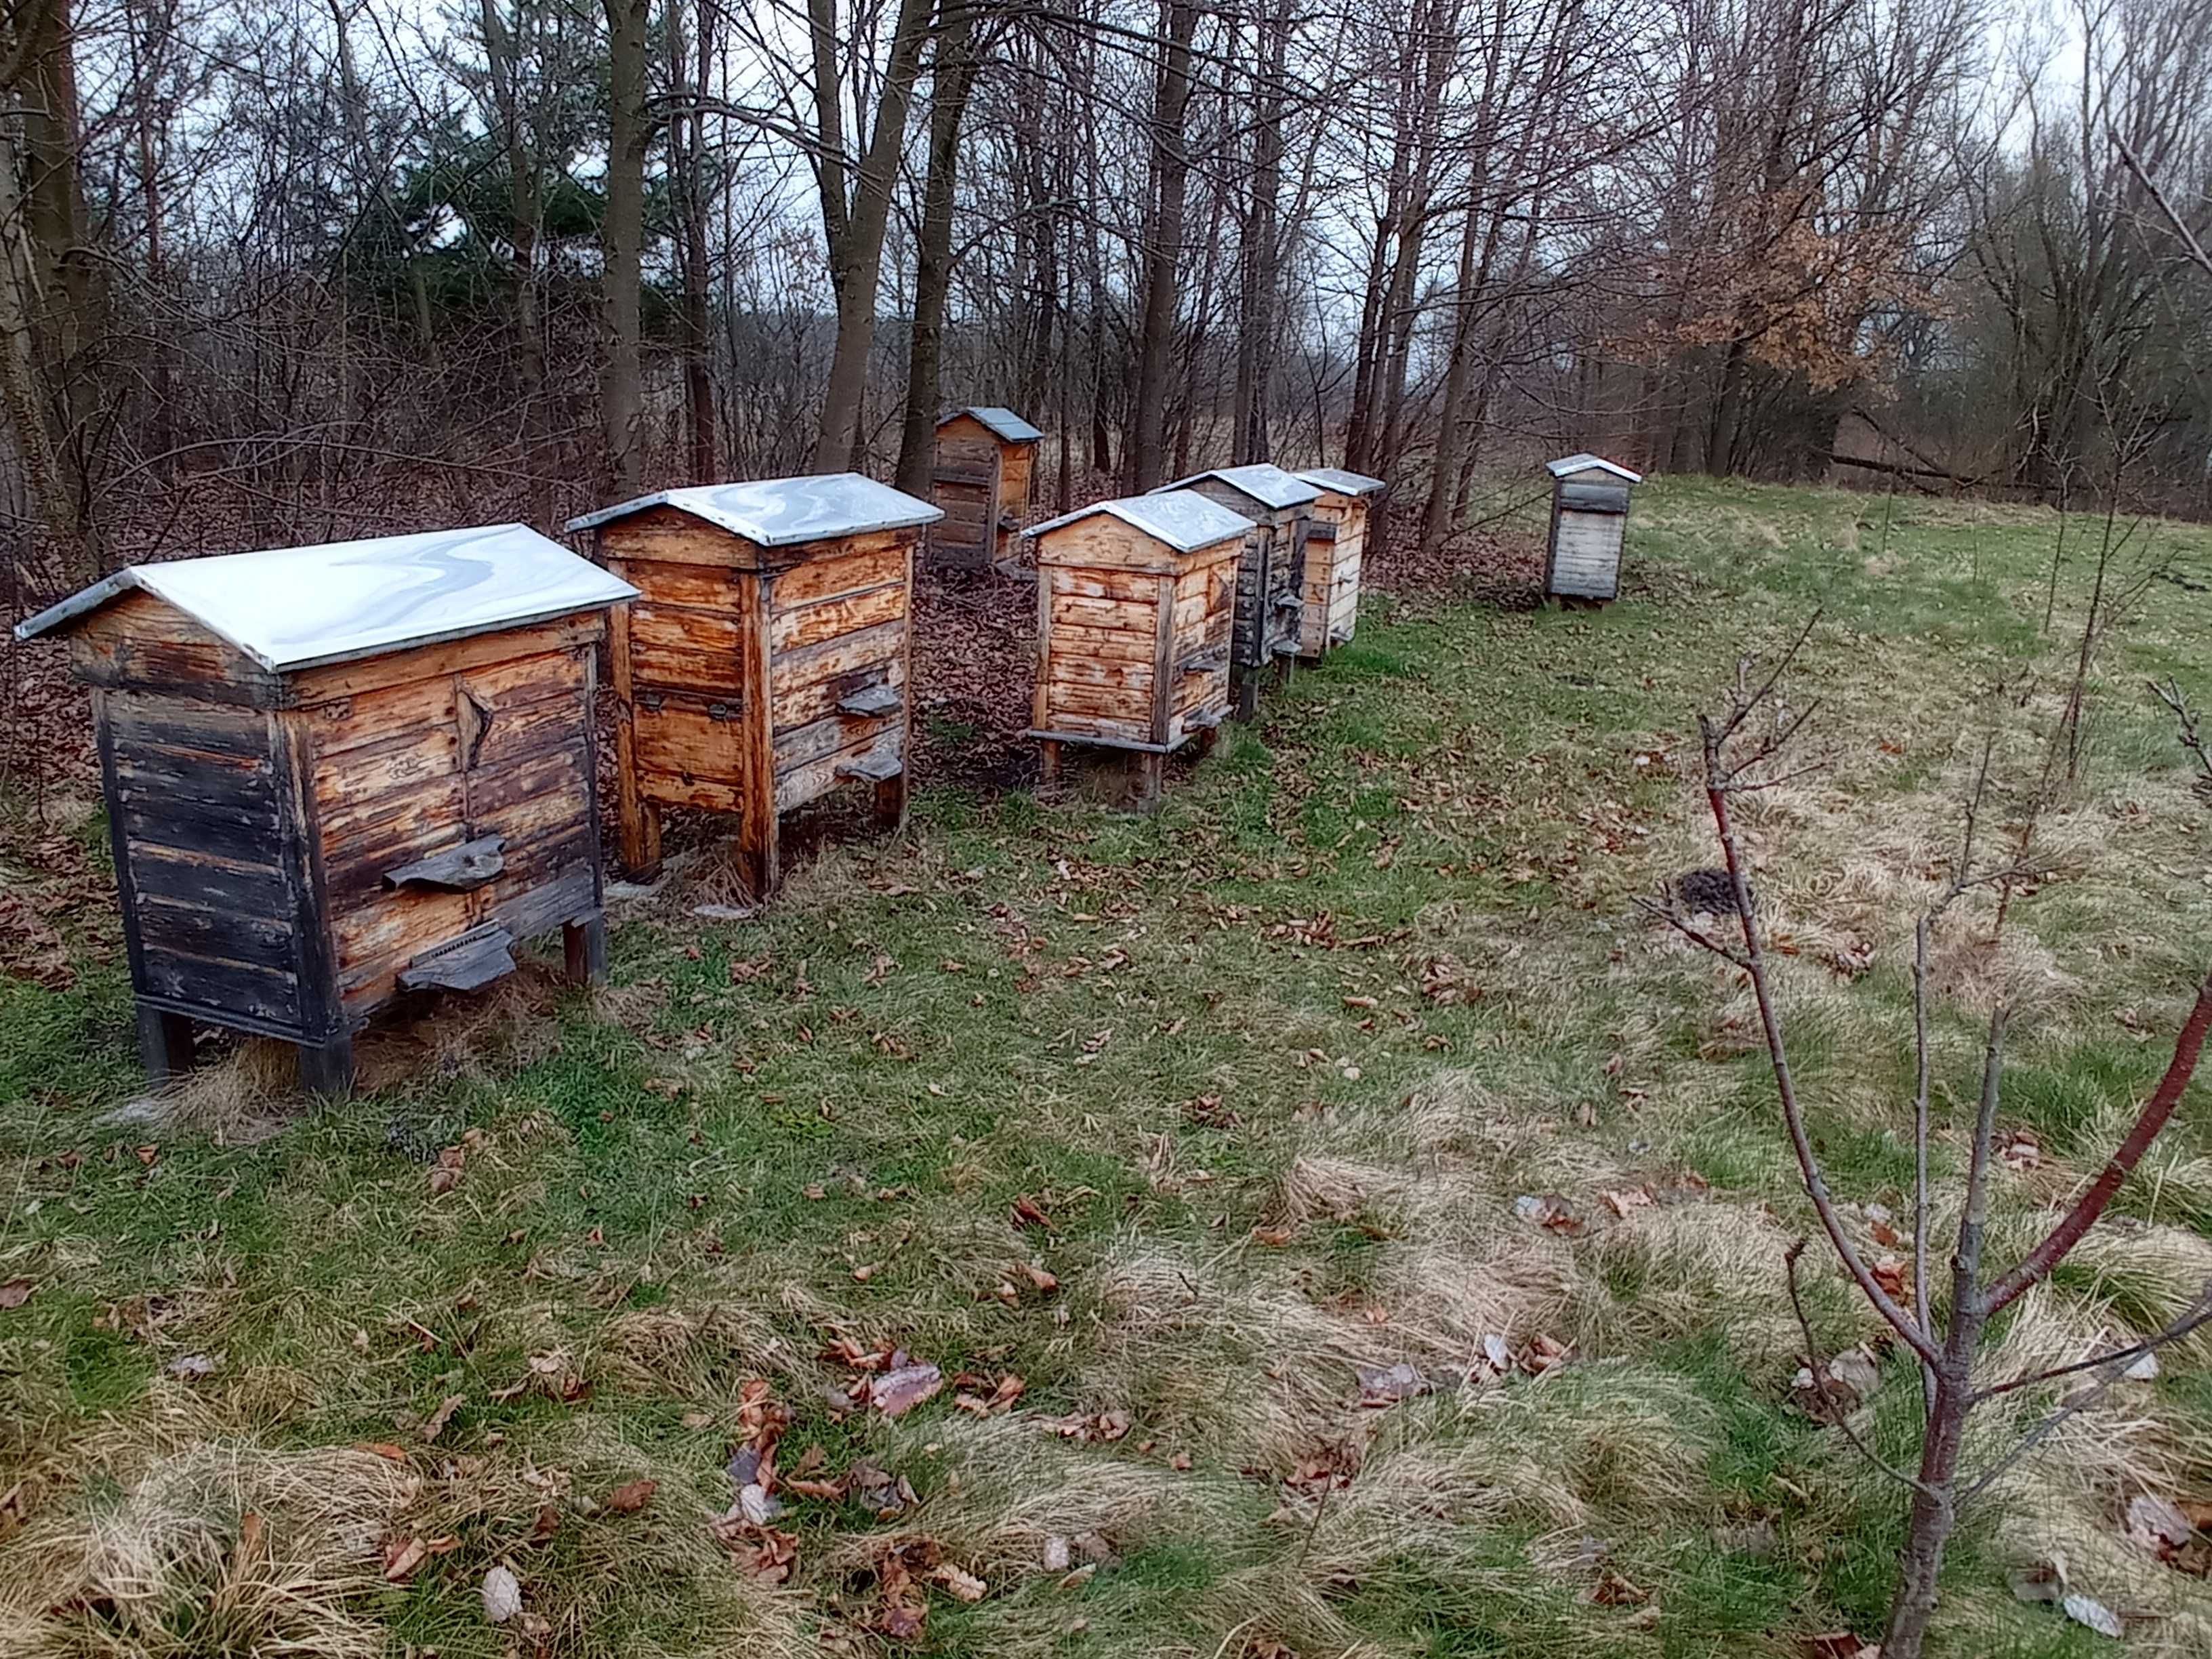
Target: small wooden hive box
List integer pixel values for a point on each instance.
(1589, 515)
(337, 772)
(1333, 547)
(765, 660)
(1135, 601)
(982, 483)
(1271, 575)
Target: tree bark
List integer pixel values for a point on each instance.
(1163, 249)
(855, 207)
(952, 75)
(504, 60)
(622, 236)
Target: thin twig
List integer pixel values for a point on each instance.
(2199, 1313)
(1696, 936)
(1820, 1368)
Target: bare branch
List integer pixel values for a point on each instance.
(1820, 1368)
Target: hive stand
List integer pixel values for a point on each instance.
(1271, 575)
(336, 773)
(1589, 519)
(1335, 545)
(984, 457)
(764, 662)
(1135, 603)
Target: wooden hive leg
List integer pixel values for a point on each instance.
(637, 823)
(1208, 736)
(326, 1067)
(891, 803)
(1146, 774)
(1048, 762)
(165, 1043)
(759, 857)
(1247, 695)
(584, 949)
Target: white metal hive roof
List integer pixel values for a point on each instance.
(1584, 463)
(1266, 484)
(782, 512)
(1003, 423)
(1183, 519)
(299, 607)
(1341, 482)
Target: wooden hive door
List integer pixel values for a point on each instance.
(968, 486)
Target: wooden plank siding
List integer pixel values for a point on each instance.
(1132, 636)
(730, 672)
(969, 484)
(1329, 595)
(210, 883)
(449, 752)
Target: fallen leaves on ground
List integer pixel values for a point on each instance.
(435, 1423)
(631, 1495)
(16, 1292)
(905, 1386)
(1386, 1385)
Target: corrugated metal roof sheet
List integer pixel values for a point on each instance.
(1585, 462)
(1183, 519)
(298, 607)
(1003, 421)
(783, 512)
(1336, 479)
(1266, 484)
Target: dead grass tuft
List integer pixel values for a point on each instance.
(215, 1546)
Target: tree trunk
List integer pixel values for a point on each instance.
(56, 301)
(686, 167)
(1255, 341)
(1163, 250)
(621, 391)
(855, 207)
(950, 80)
(504, 60)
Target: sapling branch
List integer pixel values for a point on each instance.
(2188, 1044)
(2198, 1313)
(1819, 1367)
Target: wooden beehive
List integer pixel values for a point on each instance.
(1589, 519)
(982, 483)
(1271, 574)
(764, 662)
(1135, 602)
(334, 774)
(1333, 547)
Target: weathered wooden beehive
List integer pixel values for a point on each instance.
(1271, 575)
(1333, 547)
(337, 772)
(764, 662)
(982, 482)
(1589, 517)
(1135, 601)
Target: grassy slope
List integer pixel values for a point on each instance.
(1390, 930)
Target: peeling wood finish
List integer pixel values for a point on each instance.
(1590, 522)
(981, 481)
(287, 846)
(1270, 586)
(1133, 641)
(1329, 594)
(751, 680)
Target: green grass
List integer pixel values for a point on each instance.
(1275, 1063)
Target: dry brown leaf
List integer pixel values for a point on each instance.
(901, 1390)
(631, 1495)
(436, 1425)
(16, 1292)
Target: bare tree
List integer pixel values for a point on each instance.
(1745, 749)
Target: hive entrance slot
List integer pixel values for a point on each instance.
(457, 870)
(464, 963)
